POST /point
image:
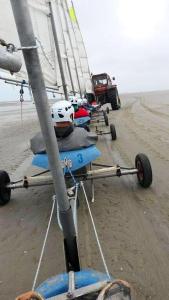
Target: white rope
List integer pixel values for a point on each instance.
(44, 244)
(95, 231)
(21, 113)
(44, 53)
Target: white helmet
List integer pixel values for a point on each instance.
(80, 101)
(62, 111)
(84, 101)
(73, 100)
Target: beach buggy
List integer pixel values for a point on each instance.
(77, 152)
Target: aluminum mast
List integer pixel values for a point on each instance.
(58, 51)
(27, 39)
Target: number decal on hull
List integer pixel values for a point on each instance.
(80, 158)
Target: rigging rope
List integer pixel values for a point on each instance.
(21, 98)
(49, 224)
(95, 232)
(44, 244)
(44, 53)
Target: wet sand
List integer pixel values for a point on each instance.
(132, 223)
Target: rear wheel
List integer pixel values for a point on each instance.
(87, 128)
(143, 166)
(107, 110)
(113, 100)
(113, 132)
(5, 193)
(105, 118)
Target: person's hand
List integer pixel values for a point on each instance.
(30, 296)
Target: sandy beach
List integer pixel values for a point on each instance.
(132, 223)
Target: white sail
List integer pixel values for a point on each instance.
(75, 47)
(86, 76)
(41, 23)
(71, 46)
(64, 44)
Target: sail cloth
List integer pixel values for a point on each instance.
(65, 46)
(87, 84)
(71, 48)
(42, 29)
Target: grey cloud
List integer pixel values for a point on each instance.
(138, 65)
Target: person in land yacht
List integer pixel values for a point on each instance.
(80, 111)
(68, 136)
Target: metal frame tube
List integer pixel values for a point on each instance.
(90, 175)
(19, 82)
(27, 38)
(71, 45)
(26, 35)
(29, 88)
(103, 170)
(71, 284)
(58, 51)
(66, 52)
(70, 75)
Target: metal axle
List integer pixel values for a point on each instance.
(90, 175)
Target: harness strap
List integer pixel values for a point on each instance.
(122, 285)
(30, 296)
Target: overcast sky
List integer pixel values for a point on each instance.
(128, 39)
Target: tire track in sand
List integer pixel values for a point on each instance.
(142, 133)
(153, 255)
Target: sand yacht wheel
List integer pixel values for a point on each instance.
(5, 192)
(144, 173)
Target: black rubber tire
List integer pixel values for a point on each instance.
(106, 120)
(87, 128)
(119, 103)
(143, 165)
(113, 132)
(107, 110)
(115, 102)
(5, 193)
(82, 171)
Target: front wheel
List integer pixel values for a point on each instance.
(143, 166)
(5, 192)
(106, 120)
(113, 132)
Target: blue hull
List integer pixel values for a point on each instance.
(59, 284)
(76, 158)
(81, 121)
